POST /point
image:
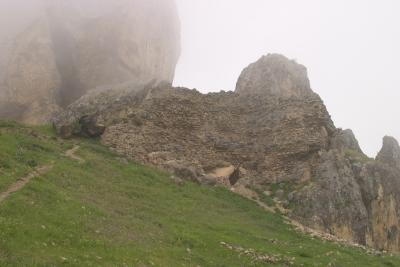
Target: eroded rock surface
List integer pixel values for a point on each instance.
(390, 152)
(54, 52)
(274, 75)
(274, 131)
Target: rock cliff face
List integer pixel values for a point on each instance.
(54, 54)
(274, 129)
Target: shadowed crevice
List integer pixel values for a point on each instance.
(71, 88)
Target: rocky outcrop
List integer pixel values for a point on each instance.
(28, 72)
(273, 133)
(276, 137)
(274, 75)
(353, 197)
(390, 152)
(60, 50)
(164, 123)
(345, 140)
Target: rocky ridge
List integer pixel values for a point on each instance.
(282, 141)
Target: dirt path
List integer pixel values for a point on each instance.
(71, 154)
(18, 185)
(251, 195)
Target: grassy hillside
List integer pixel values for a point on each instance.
(109, 212)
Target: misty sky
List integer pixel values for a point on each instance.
(350, 47)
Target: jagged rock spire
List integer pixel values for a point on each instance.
(390, 152)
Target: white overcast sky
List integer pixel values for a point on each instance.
(350, 47)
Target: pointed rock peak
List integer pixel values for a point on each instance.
(274, 75)
(345, 139)
(390, 152)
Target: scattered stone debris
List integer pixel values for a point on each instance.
(259, 257)
(90, 127)
(331, 238)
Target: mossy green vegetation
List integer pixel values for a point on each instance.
(109, 212)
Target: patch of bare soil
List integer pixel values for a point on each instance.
(223, 172)
(71, 154)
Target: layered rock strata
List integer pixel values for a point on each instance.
(274, 129)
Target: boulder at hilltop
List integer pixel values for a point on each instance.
(274, 75)
(54, 52)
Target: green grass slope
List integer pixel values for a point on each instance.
(107, 212)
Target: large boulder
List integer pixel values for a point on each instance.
(54, 52)
(274, 75)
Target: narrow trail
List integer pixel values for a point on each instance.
(18, 185)
(71, 154)
(23, 181)
(251, 195)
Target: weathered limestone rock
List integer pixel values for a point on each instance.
(380, 190)
(207, 129)
(28, 72)
(353, 197)
(345, 139)
(59, 51)
(390, 152)
(274, 75)
(275, 137)
(276, 129)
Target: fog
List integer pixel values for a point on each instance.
(52, 52)
(351, 50)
